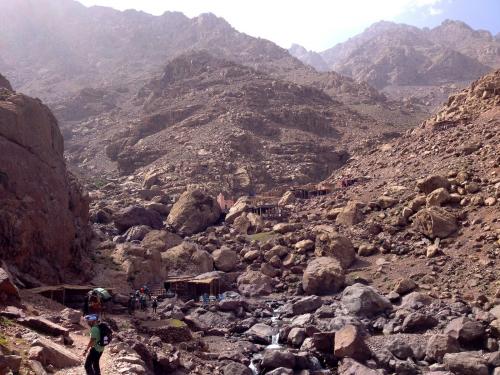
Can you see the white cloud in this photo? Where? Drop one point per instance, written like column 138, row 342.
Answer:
column 316, row 24
column 435, row 11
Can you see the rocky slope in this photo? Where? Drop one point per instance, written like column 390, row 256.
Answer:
column 222, row 126
column 405, row 61
column 44, row 213
column 395, row 272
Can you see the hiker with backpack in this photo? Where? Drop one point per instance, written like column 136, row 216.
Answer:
column 100, row 336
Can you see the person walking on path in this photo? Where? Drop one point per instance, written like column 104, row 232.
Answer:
column 154, row 305
column 93, row 348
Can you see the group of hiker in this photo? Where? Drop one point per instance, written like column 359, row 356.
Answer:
column 139, row 300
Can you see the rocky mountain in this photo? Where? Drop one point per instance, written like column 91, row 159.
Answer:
column 56, row 47
column 309, row 57
column 422, row 65
column 43, row 210
column 223, row 126
column 395, row 271
column 478, row 44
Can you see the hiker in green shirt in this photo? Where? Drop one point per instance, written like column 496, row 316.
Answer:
column 94, row 355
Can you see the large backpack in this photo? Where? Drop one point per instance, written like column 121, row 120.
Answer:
column 106, row 334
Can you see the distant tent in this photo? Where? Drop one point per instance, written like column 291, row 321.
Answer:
column 105, row 296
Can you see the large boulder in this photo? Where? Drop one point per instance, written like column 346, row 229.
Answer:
column 161, row 240
column 240, row 206
column 255, row 283
column 466, row 330
column 350, row 343
column 323, row 275
column 187, row 259
column 466, row 363
column 137, row 215
column 49, row 353
column 429, row 184
column 336, row 246
column 260, row 333
column 44, row 213
column 278, row 358
column 351, row 214
column 225, row 259
column 435, row 222
column 438, row 345
column 194, row 212
column 363, row 300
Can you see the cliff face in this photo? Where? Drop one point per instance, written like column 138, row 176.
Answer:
column 43, row 212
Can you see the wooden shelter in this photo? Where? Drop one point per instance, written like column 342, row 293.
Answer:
column 310, row 192
column 69, row 295
column 193, row 287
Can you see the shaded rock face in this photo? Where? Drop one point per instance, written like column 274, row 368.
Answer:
column 5, row 83
column 44, row 213
column 187, row 259
column 193, row 212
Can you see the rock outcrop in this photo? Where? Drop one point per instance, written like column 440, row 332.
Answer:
column 193, row 212
column 43, row 210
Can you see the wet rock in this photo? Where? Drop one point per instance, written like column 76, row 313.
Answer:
column 193, row 212
column 435, row 222
column 137, row 215
column 431, row 183
column 281, row 371
column 350, row 343
column 296, row 336
column 273, row 359
column 255, row 283
column 364, row 300
column 225, row 259
column 306, row 305
column 323, row 275
column 466, row 331
column 466, row 363
column 260, row 333
column 235, row 368
column 438, row 345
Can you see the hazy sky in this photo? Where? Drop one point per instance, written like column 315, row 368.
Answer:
column 319, row 24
